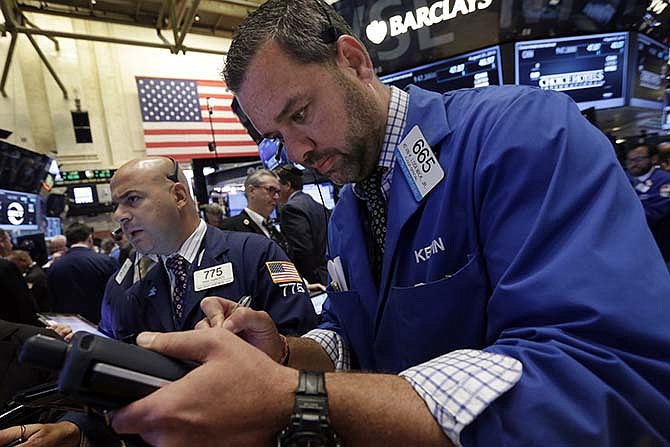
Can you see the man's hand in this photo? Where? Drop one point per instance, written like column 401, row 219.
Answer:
column 63, row 330
column 256, row 327
column 60, row 434
column 237, row 397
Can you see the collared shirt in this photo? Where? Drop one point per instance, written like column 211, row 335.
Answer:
column 188, row 250
column 136, row 265
column 258, row 220
column 395, row 126
column 645, row 177
column 456, row 386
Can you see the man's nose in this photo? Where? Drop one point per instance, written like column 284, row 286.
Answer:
column 297, row 147
column 121, row 215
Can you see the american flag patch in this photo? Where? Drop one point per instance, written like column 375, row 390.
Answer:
column 283, row 271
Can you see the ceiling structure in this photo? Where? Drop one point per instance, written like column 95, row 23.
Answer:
column 172, row 20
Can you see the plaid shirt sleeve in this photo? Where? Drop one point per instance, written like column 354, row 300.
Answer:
column 333, row 344
column 458, row 386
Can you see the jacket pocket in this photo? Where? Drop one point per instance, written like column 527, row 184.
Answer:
column 427, row 320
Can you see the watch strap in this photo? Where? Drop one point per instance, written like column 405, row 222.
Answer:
column 310, row 423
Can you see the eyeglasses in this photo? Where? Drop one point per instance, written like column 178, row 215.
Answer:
column 636, row 159
column 271, row 190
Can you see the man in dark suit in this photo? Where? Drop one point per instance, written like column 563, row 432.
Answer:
column 159, row 217
column 262, row 190
column 77, row 281
column 16, row 302
column 35, row 278
column 304, row 223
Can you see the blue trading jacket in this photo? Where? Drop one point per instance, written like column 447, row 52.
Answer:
column 654, row 193
column 146, row 305
column 529, row 247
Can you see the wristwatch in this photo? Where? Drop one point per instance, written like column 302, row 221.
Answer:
column 309, row 425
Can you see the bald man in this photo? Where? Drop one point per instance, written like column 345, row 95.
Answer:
column 158, row 216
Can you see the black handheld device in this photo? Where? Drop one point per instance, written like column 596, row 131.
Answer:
column 102, row 373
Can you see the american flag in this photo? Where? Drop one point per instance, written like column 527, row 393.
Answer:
column 176, row 121
column 283, row 271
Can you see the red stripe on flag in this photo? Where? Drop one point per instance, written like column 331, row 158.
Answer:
column 189, row 157
column 194, row 132
column 209, row 83
column 221, row 145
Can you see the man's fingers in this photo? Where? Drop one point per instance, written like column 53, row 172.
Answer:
column 9, row 434
column 216, row 309
column 189, row 345
column 202, row 324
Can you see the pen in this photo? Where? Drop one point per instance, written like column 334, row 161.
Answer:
column 335, row 286
column 15, row 442
column 245, row 301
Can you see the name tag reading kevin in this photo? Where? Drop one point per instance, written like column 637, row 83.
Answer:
column 418, row 163
column 213, row 276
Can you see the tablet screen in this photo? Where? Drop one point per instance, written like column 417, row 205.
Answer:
column 76, row 322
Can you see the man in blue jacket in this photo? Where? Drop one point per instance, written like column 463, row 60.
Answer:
column 517, row 302
column 159, row 217
column 652, row 185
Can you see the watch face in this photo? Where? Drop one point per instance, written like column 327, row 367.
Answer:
column 292, row 437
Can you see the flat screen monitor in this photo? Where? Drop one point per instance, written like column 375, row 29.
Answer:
column 476, row 69
column 82, row 195
column 21, row 169
column 35, row 245
column 651, row 68
column 19, row 210
column 590, row 69
column 236, row 202
column 326, row 189
column 53, row 228
column 267, row 150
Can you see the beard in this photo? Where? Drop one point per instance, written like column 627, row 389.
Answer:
column 363, row 136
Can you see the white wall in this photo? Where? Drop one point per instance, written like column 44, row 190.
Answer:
column 102, row 75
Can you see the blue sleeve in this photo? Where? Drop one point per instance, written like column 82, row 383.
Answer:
column 579, row 292
column 288, row 303
column 657, row 204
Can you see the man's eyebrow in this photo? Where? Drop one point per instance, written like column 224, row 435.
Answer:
column 286, row 110
column 288, row 107
column 127, row 193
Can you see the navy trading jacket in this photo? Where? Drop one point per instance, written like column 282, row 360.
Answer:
column 146, row 305
column 529, row 247
column 654, row 193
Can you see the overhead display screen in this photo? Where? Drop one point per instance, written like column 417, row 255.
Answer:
column 19, row 210
column 476, row 69
column 400, row 34
column 648, row 86
column 591, row 69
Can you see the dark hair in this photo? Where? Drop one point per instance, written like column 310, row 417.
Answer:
column 651, row 149
column 288, row 173
column 305, row 29
column 77, row 232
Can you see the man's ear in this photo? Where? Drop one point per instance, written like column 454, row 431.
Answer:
column 352, row 55
column 180, row 194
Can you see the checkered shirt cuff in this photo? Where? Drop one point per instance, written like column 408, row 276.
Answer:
column 333, row 344
column 458, row 386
